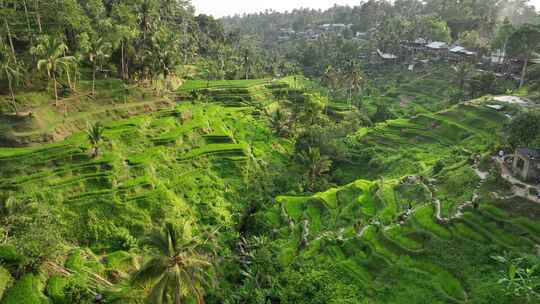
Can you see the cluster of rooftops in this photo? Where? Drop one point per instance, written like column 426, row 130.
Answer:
column 437, row 46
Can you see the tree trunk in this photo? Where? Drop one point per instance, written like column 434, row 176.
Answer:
column 69, row 79
column 55, row 90
column 94, row 80
column 26, row 16
column 123, row 64
column 38, row 16
column 350, row 98
column 524, row 72
column 13, row 101
column 95, row 151
column 10, row 41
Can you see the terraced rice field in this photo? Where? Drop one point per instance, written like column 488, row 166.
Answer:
column 366, row 230
column 412, row 146
column 141, row 158
column 181, row 162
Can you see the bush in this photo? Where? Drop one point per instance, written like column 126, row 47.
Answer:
column 26, row 291
column 438, row 167
column 76, row 293
column 123, row 240
column 9, row 255
column 75, row 261
column 5, row 280
column 55, row 289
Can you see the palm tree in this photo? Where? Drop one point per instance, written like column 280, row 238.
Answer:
column 523, row 42
column 280, row 122
column 330, row 79
column 52, row 52
column 246, row 61
column 98, row 53
column 178, row 272
column 95, row 136
column 315, row 164
column 9, row 70
column 354, row 79
column 462, row 72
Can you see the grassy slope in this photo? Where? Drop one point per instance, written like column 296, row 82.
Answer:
column 412, row 146
column 49, row 122
column 187, row 162
column 420, row 261
column 158, row 166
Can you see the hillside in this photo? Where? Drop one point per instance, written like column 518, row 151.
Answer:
column 188, row 162
column 381, row 153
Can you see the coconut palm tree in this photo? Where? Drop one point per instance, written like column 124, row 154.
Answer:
column 99, row 52
column 315, row 164
column 330, row 79
column 246, row 60
column 10, row 71
column 179, row 270
column 280, row 121
column 95, row 136
column 354, row 79
column 52, row 54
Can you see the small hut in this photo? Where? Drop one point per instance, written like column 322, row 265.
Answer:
column 527, row 164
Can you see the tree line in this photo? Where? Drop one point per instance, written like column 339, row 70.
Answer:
column 53, row 44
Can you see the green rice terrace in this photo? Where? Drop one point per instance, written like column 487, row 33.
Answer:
column 406, row 232
column 386, row 152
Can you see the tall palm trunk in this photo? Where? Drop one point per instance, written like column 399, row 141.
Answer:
column 13, row 101
column 350, row 97
column 26, row 15
column 10, row 40
column 524, row 71
column 55, row 89
column 69, row 79
column 123, row 62
column 38, row 17
column 93, row 79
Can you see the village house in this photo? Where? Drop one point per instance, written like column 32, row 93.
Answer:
column 527, row 164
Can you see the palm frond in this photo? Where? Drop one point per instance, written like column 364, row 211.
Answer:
column 151, row 271
column 160, row 240
column 536, row 59
column 158, row 294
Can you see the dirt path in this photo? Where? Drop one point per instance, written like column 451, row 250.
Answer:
column 459, row 212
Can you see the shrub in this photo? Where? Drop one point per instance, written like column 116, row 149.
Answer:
column 5, row 280
column 123, row 240
column 26, row 291
column 75, row 261
column 55, row 288
column 9, row 255
column 438, row 167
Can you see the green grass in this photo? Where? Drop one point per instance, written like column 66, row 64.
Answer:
column 412, row 146
column 201, row 84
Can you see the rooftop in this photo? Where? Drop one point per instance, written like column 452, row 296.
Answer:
column 531, row 153
column 386, row 55
column 437, row 45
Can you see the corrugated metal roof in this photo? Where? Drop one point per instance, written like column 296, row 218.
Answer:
column 437, row 45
